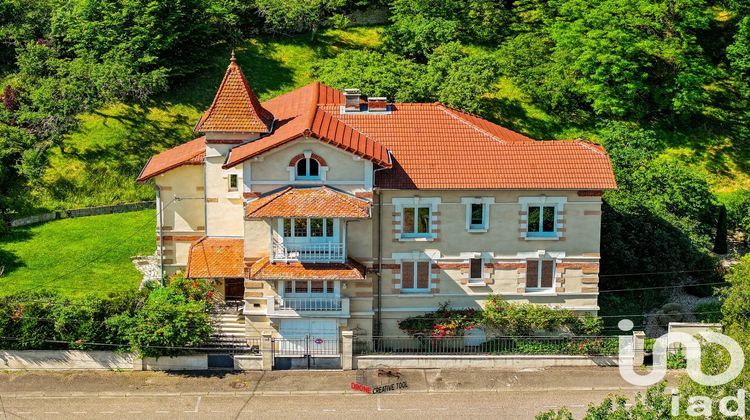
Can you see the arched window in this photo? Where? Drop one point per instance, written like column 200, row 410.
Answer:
column 308, row 168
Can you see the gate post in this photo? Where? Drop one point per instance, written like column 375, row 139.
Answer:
column 266, row 350
column 347, row 347
column 639, row 338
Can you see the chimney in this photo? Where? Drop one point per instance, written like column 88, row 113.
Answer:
column 377, row 104
column 352, row 100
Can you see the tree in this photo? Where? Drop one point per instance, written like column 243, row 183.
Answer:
column 291, row 16
column 458, row 79
column 421, row 26
column 738, row 54
column 374, row 73
column 624, row 58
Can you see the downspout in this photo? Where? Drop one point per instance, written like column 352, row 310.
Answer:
column 159, row 216
column 378, row 287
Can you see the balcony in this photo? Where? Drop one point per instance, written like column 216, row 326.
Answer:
column 324, row 252
column 285, row 307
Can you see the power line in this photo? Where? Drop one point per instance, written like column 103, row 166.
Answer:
column 652, row 273
column 663, row 287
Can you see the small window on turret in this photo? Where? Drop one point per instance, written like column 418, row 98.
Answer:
column 233, row 182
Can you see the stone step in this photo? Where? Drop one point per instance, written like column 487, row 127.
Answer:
column 230, row 330
column 228, row 321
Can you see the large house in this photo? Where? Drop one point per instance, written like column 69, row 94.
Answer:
column 321, row 210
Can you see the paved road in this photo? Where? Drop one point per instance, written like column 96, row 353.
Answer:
column 509, row 405
column 431, row 394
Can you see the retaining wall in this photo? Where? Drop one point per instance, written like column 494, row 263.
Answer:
column 64, row 360
column 189, row 362
column 88, row 211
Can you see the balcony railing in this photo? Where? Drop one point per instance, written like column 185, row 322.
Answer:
column 296, row 307
column 324, row 252
column 306, row 304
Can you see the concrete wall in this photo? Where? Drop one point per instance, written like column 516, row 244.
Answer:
column 188, row 362
column 64, row 360
column 248, row 362
column 479, row 361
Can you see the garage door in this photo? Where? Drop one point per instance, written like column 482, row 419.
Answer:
column 309, row 337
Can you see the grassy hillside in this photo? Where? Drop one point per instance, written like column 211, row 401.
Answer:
column 98, row 163
column 76, row 257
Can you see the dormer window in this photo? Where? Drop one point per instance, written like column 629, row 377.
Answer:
column 308, row 168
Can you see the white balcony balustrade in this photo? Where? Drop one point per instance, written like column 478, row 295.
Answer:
column 324, row 252
column 307, row 304
column 298, row 307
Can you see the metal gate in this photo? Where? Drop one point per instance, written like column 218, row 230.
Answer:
column 313, row 351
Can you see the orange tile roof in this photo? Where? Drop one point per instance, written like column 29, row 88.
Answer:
column 421, row 145
column 297, row 114
column 308, row 202
column 190, row 153
column 436, row 147
column 235, row 107
column 263, row 269
column 433, row 146
column 216, row 257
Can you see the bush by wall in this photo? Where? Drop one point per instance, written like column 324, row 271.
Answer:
column 154, row 322
column 503, row 318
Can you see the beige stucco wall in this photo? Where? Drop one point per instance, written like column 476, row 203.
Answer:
column 501, row 245
column 345, row 170
column 223, row 207
column 582, row 232
column 185, row 214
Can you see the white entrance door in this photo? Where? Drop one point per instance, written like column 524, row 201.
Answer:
column 309, row 336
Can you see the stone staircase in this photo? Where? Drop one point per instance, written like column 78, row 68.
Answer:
column 229, row 328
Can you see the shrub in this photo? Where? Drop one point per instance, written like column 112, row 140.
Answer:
column 709, row 312
column 168, row 322
column 175, row 315
column 738, row 209
column 503, row 317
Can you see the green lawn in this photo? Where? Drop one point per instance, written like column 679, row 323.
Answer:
column 77, row 257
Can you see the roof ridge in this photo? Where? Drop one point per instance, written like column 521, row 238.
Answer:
column 448, row 110
column 313, row 106
column 592, row 146
column 356, row 130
